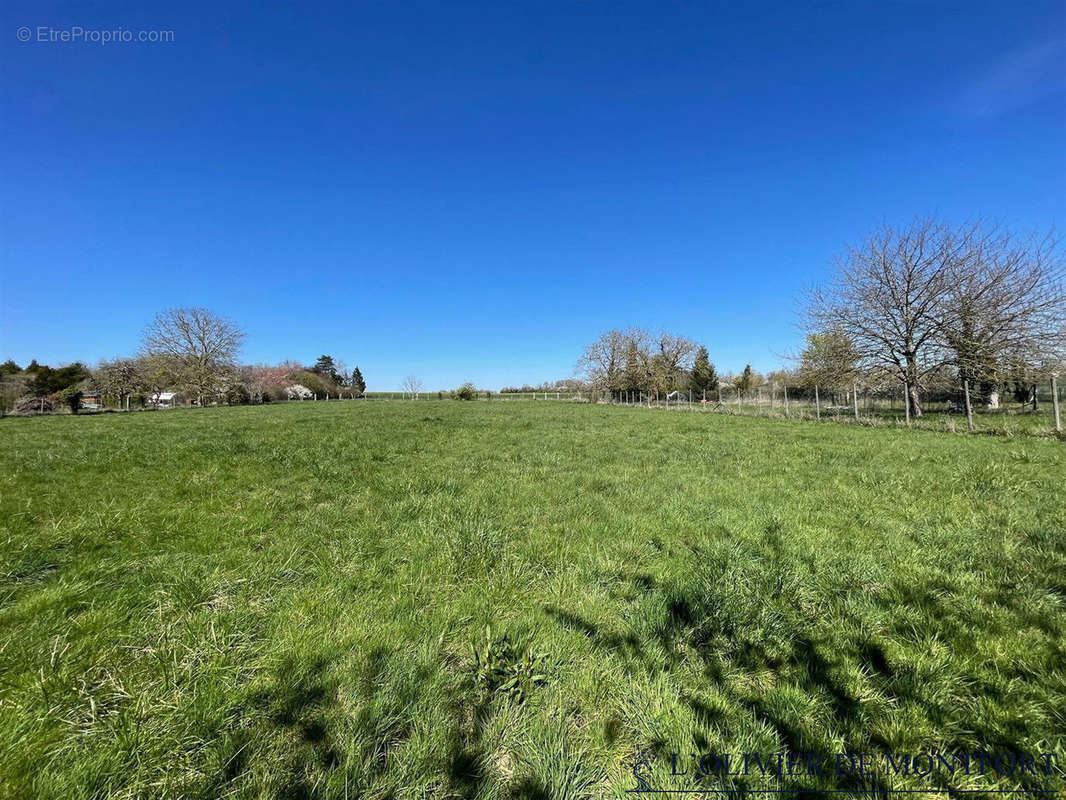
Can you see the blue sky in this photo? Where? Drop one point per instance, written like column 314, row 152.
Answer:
column 475, row 190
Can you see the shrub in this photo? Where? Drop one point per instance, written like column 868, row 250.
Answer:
column 33, row 405
column 465, row 392
column 71, row 398
column 237, row 394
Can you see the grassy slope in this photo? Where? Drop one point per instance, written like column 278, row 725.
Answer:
column 286, row 601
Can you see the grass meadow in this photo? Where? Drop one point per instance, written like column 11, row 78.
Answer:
column 496, row 600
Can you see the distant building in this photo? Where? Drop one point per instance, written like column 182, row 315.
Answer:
column 165, row 399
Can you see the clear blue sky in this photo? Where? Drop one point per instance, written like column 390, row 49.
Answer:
column 476, row 190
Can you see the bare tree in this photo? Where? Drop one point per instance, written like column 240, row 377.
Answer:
column 122, row 378
column 1005, row 306
column 829, row 360
column 157, row 374
column 671, row 358
column 200, row 346
column 412, row 386
column 888, row 298
column 603, row 361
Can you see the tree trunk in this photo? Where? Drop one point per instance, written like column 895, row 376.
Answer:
column 914, row 402
column 1055, row 401
column 969, row 408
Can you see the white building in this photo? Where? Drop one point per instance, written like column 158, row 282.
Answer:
column 165, row 399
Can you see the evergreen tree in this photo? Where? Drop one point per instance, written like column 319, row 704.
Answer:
column 635, row 373
column 746, row 382
column 9, row 367
column 703, row 377
column 358, row 384
column 326, row 368
column 47, row 380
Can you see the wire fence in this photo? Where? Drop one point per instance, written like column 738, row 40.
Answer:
column 1038, row 413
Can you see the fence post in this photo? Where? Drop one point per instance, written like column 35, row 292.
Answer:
column 1055, row 402
column 907, row 402
column 788, row 413
column 969, row 410
column 855, row 398
column 817, row 404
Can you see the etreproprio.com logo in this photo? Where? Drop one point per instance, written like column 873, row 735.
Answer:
column 77, row 34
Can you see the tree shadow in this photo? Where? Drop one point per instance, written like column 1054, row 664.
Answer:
column 627, row 643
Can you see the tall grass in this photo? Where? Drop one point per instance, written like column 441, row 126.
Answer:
column 445, row 599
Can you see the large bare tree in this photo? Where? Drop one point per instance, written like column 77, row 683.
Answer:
column 200, row 346
column 888, row 297
column 603, row 361
column 1005, row 306
column 671, row 358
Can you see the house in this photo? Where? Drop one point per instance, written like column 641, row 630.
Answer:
column 165, row 399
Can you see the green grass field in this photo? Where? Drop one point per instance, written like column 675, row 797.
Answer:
column 447, row 599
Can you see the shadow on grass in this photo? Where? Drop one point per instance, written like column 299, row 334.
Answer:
column 296, row 703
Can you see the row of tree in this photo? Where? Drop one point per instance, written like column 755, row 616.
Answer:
column 634, row 361
column 911, row 311
column 189, row 351
column 931, row 302
column 564, row 385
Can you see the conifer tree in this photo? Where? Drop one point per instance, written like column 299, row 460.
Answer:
column 703, row 377
column 358, row 384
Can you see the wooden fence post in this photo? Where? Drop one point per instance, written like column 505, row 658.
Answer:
column 855, row 398
column 907, row 401
column 817, row 404
column 788, row 413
